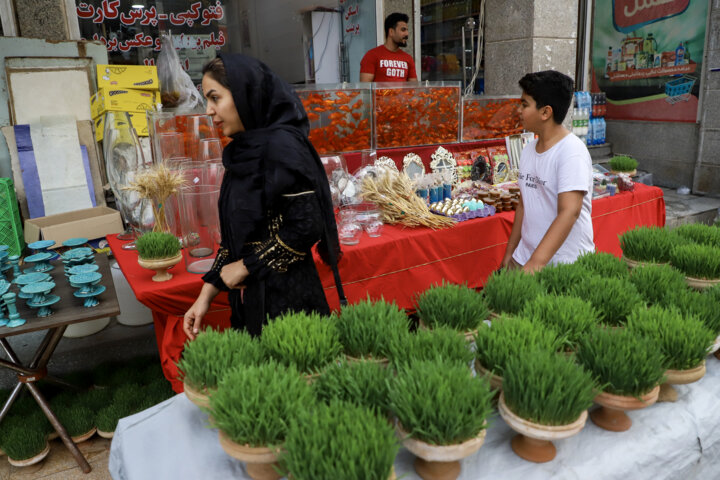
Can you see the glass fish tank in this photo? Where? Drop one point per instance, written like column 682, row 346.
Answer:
column 490, row 117
column 410, row 114
column 340, row 116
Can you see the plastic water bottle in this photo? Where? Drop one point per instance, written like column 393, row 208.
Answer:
column 603, row 131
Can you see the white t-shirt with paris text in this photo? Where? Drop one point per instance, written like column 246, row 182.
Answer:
column 565, row 167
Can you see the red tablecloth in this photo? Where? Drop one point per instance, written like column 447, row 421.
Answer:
column 397, row 265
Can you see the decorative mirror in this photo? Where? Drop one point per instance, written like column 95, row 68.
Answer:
column 388, row 163
column 413, row 166
column 444, row 163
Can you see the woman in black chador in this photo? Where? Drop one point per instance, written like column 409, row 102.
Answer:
column 274, row 200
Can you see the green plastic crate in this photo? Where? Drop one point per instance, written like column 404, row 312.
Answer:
column 11, row 233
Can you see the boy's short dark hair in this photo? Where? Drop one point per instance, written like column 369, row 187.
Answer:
column 392, row 20
column 549, row 88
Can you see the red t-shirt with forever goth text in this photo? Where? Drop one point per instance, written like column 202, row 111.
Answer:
column 388, row 66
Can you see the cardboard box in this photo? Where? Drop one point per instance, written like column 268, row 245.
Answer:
column 122, row 100
column 90, row 223
column 141, row 77
column 138, row 120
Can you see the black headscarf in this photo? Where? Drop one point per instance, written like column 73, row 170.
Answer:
column 271, row 154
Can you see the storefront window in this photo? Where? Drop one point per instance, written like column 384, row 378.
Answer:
column 441, row 39
column 131, row 29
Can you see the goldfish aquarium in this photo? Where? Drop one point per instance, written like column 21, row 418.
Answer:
column 490, row 117
column 340, row 116
column 410, row 114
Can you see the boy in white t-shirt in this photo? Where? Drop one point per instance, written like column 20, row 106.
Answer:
column 552, row 221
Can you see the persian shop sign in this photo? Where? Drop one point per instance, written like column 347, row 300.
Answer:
column 629, row 15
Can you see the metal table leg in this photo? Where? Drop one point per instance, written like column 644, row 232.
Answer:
column 37, row 370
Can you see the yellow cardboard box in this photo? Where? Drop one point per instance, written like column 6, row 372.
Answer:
column 123, row 100
column 140, row 77
column 138, row 120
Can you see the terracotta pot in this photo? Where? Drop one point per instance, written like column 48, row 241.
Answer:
column 379, row 360
column 311, row 377
column 105, row 434
column 611, row 415
column 495, row 381
column 439, row 462
column 679, row 377
column 160, row 265
column 469, row 335
column 259, row 461
column 534, row 440
column 199, row 398
column 32, row 460
column 701, row 283
column 639, row 263
column 84, row 436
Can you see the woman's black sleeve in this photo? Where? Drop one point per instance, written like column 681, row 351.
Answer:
column 213, row 275
column 300, row 226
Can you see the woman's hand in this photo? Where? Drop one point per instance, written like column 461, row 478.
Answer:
column 234, row 274
column 193, row 317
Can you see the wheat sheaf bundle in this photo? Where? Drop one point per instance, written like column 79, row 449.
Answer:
column 395, row 196
column 156, row 184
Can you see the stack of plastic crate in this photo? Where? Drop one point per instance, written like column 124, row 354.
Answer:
column 11, row 233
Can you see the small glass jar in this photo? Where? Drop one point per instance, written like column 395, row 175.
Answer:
column 374, row 228
column 349, row 229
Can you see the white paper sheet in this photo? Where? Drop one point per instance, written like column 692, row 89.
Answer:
column 60, row 164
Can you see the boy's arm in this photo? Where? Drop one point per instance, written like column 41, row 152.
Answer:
column 569, row 208
column 515, row 234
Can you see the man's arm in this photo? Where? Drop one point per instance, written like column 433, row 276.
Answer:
column 569, row 208
column 367, row 77
column 515, row 234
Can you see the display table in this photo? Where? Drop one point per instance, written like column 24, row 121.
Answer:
column 69, row 310
column 398, row 265
column 667, row 441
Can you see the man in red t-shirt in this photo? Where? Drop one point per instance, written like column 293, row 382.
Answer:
column 387, row 63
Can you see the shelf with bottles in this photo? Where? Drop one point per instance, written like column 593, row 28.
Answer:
column 588, row 123
column 442, row 66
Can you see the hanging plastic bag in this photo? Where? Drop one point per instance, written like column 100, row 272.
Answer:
column 177, row 89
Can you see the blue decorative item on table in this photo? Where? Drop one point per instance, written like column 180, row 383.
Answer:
column 41, row 261
column 78, row 269
column 4, row 262
column 27, row 279
column 4, row 287
column 422, row 193
column 88, row 288
column 75, row 242
column 447, row 191
column 41, row 299
column 14, row 319
column 14, row 261
column 41, row 245
column 77, row 256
